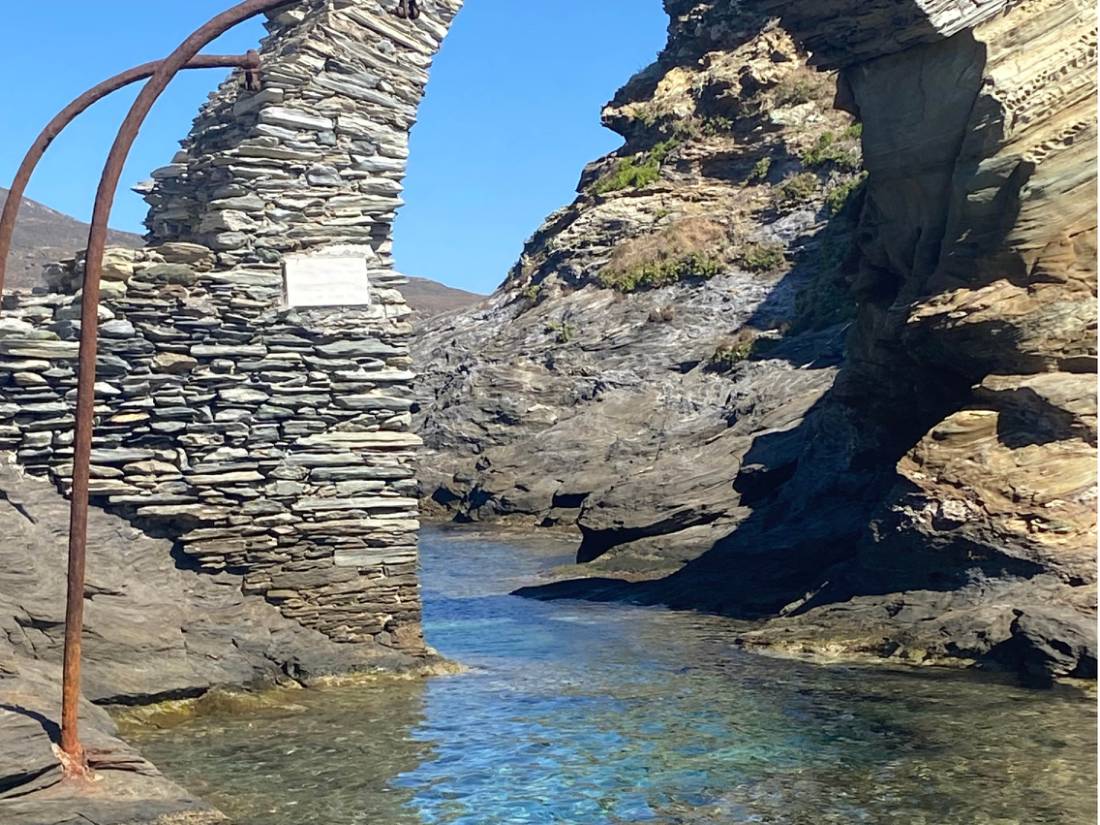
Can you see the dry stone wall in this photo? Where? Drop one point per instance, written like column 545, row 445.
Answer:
column 271, row 443
column 315, row 156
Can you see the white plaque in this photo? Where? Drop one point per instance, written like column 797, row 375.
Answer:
column 326, row 281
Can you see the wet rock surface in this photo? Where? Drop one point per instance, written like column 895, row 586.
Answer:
column 154, row 631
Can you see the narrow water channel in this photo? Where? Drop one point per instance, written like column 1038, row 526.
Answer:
column 589, row 714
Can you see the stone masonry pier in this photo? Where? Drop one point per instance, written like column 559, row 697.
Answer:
column 267, row 441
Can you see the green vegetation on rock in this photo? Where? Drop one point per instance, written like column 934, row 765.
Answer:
column 563, row 332
column 839, row 196
column 704, row 126
column 828, row 300
column 797, row 189
column 733, row 350
column 689, row 248
column 803, row 85
column 762, row 257
column 531, row 293
column 760, row 170
column 636, row 171
column 660, row 273
column 829, row 149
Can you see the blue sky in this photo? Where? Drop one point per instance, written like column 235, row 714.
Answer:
column 511, row 115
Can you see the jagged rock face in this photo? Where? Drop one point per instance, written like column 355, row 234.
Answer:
column 932, row 500
column 575, row 397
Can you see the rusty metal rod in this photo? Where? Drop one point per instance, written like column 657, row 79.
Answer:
column 55, row 127
column 89, row 334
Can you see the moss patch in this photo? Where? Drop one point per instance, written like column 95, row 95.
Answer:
column 636, row 171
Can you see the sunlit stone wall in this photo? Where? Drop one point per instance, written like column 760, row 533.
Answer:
column 271, row 442
column 317, row 156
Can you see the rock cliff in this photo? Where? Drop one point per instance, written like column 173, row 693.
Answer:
column 654, row 327
column 829, row 365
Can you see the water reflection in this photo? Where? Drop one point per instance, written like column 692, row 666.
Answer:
column 580, row 713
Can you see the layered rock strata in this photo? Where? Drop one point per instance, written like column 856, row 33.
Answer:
column 931, row 500
column 977, row 288
column 608, row 385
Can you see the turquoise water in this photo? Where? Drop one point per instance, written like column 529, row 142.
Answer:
column 590, row 714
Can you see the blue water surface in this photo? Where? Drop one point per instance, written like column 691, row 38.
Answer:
column 571, row 712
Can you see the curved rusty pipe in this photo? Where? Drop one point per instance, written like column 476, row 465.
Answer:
column 73, row 752
column 55, row 127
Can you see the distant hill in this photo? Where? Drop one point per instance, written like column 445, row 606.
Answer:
column 44, row 235
column 433, row 298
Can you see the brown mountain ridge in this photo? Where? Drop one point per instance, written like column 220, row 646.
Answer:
column 44, row 235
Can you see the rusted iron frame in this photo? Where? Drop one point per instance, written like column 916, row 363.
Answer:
column 249, row 62
column 73, row 756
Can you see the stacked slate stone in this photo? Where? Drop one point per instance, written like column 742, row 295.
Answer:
column 273, row 443
column 317, row 155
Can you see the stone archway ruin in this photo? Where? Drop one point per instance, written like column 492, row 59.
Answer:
column 271, row 442
column 275, row 444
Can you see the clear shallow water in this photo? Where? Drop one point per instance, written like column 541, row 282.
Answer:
column 590, row 714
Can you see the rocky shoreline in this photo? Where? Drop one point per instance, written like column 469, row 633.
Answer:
column 154, row 632
column 813, row 349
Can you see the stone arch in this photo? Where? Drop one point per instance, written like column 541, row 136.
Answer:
column 270, row 443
